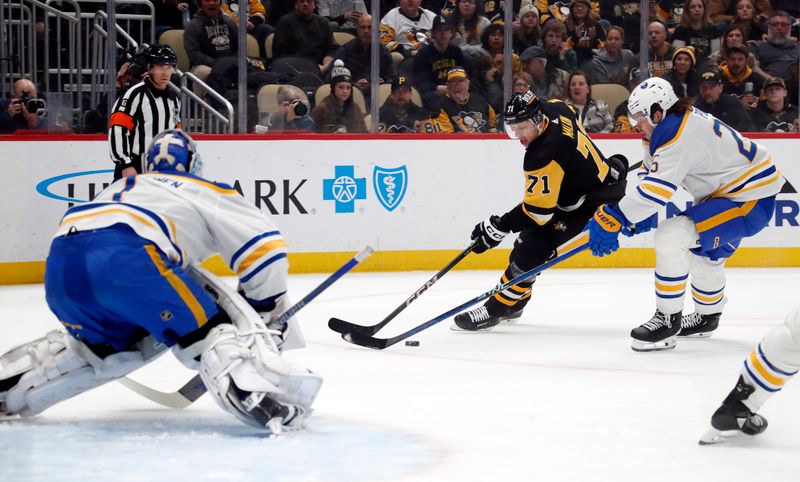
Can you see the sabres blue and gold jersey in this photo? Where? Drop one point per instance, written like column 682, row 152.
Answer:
column 704, row 156
column 190, row 219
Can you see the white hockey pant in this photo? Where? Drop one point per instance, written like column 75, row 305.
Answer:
column 774, row 361
column 56, row 367
column 674, row 238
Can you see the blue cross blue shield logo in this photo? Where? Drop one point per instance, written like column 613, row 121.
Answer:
column 345, row 188
column 390, row 185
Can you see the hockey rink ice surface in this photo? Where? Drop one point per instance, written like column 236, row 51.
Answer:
column 559, row 396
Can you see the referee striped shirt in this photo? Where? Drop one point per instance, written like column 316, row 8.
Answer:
column 139, row 115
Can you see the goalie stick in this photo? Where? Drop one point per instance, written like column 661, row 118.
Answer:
column 341, row 326
column 566, row 250
column 194, row 388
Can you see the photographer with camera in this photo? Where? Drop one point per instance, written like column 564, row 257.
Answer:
column 145, row 109
column 23, row 111
column 293, row 113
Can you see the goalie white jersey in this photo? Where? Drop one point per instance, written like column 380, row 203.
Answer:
column 399, row 32
column 198, row 219
column 707, row 158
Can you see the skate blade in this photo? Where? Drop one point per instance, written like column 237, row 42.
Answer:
column 714, row 436
column 458, row 329
column 5, row 417
column 696, row 335
column 665, row 344
column 510, row 321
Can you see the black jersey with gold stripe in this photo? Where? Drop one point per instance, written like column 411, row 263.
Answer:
column 475, row 115
column 562, row 166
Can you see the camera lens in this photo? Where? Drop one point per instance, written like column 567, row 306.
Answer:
column 300, row 108
column 34, row 105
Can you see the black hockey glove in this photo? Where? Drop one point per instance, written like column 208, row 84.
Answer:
column 488, row 233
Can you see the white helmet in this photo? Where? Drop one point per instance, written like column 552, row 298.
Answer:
column 654, row 90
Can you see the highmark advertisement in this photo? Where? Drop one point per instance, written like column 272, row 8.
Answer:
column 337, row 195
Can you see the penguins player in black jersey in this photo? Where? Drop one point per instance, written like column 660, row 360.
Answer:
column 566, row 179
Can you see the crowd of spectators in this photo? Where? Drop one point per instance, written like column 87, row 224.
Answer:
column 736, row 58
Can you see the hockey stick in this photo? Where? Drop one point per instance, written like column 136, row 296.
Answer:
column 566, row 250
column 184, row 397
column 341, row 326
column 194, row 388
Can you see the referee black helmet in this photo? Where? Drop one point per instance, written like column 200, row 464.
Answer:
column 160, row 54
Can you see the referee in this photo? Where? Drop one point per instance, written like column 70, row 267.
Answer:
column 143, row 111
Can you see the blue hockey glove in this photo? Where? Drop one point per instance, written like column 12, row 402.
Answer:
column 489, row 234
column 604, row 230
column 642, row 226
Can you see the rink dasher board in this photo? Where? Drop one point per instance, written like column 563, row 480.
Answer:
column 414, row 198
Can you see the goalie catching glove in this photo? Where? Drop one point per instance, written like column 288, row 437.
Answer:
column 489, row 233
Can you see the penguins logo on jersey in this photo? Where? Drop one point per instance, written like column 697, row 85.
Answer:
column 469, row 121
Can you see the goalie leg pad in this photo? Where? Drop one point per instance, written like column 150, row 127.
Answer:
column 247, row 377
column 56, row 367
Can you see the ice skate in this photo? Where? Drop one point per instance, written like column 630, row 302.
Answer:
column 696, row 325
column 658, row 333
column 733, row 419
column 480, row 319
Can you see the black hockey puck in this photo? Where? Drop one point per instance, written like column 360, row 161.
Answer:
column 412, row 343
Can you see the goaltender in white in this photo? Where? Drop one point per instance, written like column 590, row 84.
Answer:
column 122, row 276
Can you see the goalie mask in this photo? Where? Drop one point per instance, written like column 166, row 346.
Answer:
column 173, row 151
column 522, row 107
column 653, row 91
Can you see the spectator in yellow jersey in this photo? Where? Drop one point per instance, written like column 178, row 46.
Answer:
column 460, row 110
